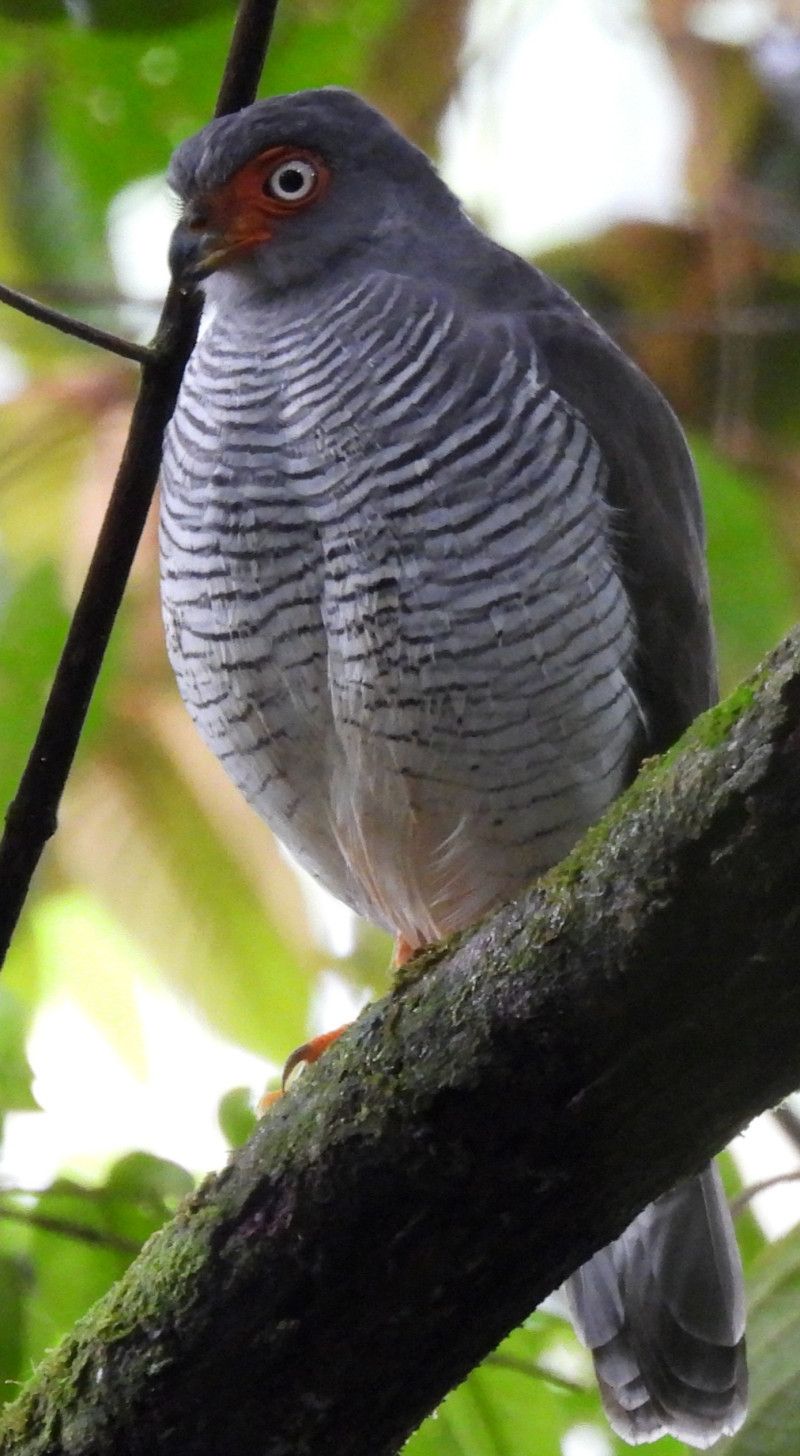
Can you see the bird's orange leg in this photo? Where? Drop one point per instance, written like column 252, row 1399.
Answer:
column 403, row 951
column 302, row 1056
column 311, row 1051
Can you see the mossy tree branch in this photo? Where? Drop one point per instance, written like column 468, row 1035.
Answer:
column 523, row 1092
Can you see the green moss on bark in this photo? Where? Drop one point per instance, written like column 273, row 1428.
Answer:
column 288, row 1309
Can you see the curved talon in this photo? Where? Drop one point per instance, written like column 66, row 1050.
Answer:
column 310, row 1052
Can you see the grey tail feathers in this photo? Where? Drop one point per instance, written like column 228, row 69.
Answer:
column 662, row 1311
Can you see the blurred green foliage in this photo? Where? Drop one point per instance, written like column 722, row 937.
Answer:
column 236, row 1116
column 61, row 1248
column 16, row 1094
column 98, row 107
column 774, row 1340
column 753, row 596
column 33, row 624
column 158, row 864
column 100, row 15
column 517, row 1401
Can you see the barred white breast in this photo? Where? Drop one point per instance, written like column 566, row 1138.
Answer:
column 391, row 596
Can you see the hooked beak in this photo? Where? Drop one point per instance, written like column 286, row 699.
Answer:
column 200, row 244
column 190, row 254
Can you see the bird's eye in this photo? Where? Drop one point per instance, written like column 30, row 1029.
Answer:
column 293, row 180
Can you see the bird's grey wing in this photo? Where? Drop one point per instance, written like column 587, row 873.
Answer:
column 661, row 1308
column 652, row 488
column 662, row 1311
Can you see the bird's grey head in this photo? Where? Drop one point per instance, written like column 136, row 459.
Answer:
column 273, row 194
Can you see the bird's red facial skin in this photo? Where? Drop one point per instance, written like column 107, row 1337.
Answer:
column 244, row 213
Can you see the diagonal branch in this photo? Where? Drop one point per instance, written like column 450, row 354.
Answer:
column 76, row 328
column 31, row 818
column 68, row 1229
column 789, row 1123
column 523, row 1092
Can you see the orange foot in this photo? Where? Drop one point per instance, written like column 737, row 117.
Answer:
column 311, row 1051
column 303, row 1056
column 403, row 951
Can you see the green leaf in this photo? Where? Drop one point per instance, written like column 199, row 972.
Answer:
column 753, row 600
column 144, row 1178
column 116, row 101
column 119, row 103
column 15, row 1072
column 43, row 201
column 236, row 1116
column 33, row 628
column 113, row 14
column 773, row 364
column 80, row 946
column 69, row 1271
column 508, row 1405
column 33, row 624
column 749, row 1234
column 772, row 1427
column 179, row 890
column 15, row 1275
column 70, row 1274
column 333, row 46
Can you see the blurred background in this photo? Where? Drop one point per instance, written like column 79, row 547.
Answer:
column 647, row 153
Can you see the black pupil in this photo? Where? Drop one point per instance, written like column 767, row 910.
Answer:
column 291, row 179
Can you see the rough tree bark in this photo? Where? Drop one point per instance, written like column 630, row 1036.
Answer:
column 521, row 1094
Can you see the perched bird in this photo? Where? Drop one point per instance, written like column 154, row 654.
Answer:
column 433, row 585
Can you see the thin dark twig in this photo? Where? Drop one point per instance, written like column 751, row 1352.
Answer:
column 31, row 819
column 536, row 1371
column 112, row 343
column 789, row 1123
column 740, row 1202
column 247, row 53
column 142, row 1200
column 755, row 320
column 69, row 1230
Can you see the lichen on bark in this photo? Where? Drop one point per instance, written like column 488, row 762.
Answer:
column 518, row 1097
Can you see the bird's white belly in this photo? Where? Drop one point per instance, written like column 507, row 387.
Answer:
column 418, row 679
column 419, row 793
